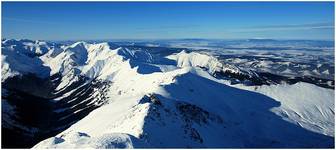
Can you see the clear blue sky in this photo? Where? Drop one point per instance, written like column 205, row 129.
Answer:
column 167, row 20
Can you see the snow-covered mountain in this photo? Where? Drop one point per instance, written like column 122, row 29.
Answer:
column 89, row 95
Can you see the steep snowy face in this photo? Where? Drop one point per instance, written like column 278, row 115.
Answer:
column 65, row 59
column 22, row 56
column 214, row 66
column 194, row 59
column 70, row 80
column 209, row 62
column 103, row 62
column 93, row 60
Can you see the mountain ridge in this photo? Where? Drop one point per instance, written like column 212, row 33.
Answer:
column 105, row 96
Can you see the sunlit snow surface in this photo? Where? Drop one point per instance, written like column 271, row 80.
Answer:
column 169, row 98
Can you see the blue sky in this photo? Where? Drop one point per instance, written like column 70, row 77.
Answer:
column 167, row 20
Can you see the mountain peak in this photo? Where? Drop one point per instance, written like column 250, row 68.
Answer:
column 103, row 95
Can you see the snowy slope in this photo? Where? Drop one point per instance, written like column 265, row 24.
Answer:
column 213, row 65
column 192, row 107
column 14, row 63
column 304, row 104
column 105, row 141
column 90, row 59
column 171, row 102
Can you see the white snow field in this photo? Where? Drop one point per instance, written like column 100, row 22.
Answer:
column 175, row 102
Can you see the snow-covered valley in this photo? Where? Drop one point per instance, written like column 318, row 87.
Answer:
column 105, row 95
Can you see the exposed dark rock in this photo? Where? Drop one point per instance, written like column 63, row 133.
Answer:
column 196, row 114
column 38, row 115
column 155, row 100
column 265, row 78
